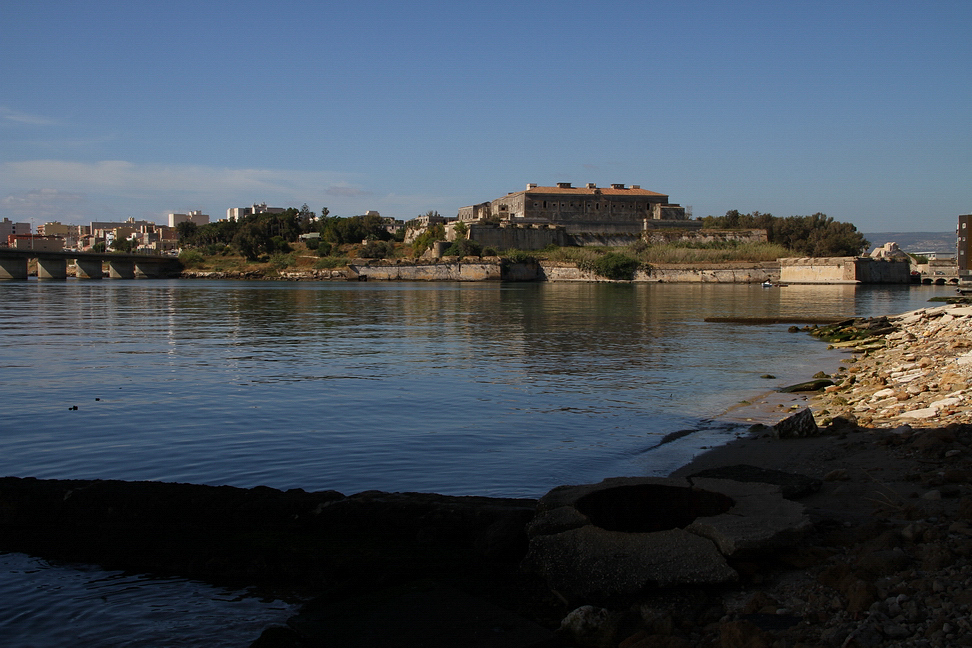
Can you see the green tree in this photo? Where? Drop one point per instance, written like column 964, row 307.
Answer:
column 355, row 229
column 248, row 242
column 187, row 231
column 124, row 245
column 306, row 218
column 817, row 235
column 377, row 250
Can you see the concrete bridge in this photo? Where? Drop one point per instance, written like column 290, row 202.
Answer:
column 88, row 265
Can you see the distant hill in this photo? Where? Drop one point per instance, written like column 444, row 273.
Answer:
column 915, row 242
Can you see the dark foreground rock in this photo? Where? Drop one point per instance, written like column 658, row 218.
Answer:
column 257, row 536
column 887, row 562
column 372, row 560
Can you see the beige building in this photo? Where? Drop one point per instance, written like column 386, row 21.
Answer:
column 35, row 242
column 196, row 217
column 70, row 233
column 618, row 208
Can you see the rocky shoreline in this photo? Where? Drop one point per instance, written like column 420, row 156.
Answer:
column 890, row 560
column 886, row 559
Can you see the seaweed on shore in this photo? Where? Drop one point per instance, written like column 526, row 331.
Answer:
column 853, row 329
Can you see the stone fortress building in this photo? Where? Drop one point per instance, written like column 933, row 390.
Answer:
column 617, row 209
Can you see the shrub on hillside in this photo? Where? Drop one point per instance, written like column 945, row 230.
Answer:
column 614, row 265
column 519, row 256
column 464, row 248
column 191, row 258
column 328, row 263
column 377, row 250
column 279, row 260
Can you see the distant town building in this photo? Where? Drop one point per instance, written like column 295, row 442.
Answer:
column 149, row 236
column 70, row 233
column 9, row 228
column 196, row 217
column 98, row 228
column 426, row 220
column 156, row 239
column 35, row 242
column 618, row 208
column 392, row 225
column 236, row 213
column 963, row 244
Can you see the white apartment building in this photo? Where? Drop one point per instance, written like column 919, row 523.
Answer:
column 235, row 213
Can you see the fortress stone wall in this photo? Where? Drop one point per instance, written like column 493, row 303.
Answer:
column 843, row 270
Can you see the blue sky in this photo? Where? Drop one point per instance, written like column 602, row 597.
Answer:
column 860, row 110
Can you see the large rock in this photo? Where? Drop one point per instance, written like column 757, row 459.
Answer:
column 800, row 425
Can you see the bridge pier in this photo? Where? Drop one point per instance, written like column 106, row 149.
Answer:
column 148, row 270
column 88, row 268
column 13, row 268
column 51, row 269
column 119, row 269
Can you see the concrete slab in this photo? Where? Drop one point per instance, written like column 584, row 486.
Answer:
column 760, row 518
column 623, row 535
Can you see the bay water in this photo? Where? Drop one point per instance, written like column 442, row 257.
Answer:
column 494, row 389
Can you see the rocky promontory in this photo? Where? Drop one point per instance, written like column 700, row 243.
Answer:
column 918, row 372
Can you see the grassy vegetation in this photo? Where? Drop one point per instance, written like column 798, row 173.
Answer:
column 721, row 252
column 331, row 262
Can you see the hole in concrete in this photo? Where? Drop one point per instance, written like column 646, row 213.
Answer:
column 646, row 508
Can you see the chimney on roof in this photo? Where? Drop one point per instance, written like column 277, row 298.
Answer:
column 591, row 185
column 531, row 185
column 617, row 186
column 563, row 185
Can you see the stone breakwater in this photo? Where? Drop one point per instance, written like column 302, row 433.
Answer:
column 919, row 375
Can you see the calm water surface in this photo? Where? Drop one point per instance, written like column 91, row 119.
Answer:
column 484, row 388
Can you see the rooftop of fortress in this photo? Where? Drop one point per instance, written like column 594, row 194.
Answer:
column 590, row 190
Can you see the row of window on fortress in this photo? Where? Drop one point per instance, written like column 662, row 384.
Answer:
column 536, row 205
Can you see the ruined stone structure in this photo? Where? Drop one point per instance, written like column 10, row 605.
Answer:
column 890, row 251
column 617, row 209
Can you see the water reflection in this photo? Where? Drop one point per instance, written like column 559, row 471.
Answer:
column 354, row 386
